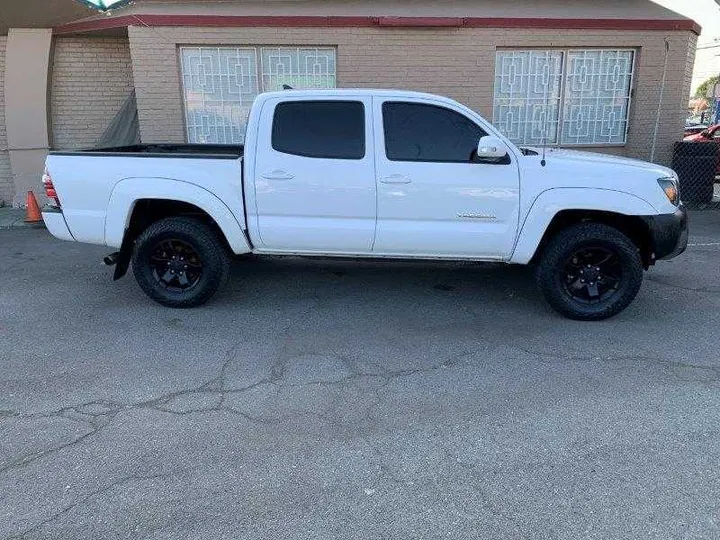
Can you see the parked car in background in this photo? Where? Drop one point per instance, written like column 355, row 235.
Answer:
column 710, row 135
column 694, row 129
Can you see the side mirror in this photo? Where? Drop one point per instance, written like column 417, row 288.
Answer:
column 491, row 148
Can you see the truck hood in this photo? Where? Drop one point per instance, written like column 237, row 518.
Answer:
column 573, row 156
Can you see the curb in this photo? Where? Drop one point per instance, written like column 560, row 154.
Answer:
column 20, row 224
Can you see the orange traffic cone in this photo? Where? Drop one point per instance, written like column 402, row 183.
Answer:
column 32, row 215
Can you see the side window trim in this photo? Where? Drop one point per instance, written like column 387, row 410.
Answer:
column 364, row 133
column 435, row 105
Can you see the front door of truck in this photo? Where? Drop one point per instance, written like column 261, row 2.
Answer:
column 434, row 197
column 314, row 175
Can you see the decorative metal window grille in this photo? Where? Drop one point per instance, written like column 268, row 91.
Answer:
column 299, row 68
column 597, row 97
column 527, row 95
column 576, row 97
column 220, row 84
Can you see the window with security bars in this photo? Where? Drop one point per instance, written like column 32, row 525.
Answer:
column 221, row 83
column 567, row 97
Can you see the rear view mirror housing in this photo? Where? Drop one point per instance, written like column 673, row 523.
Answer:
column 491, row 148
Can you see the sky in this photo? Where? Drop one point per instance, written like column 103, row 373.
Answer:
column 707, row 13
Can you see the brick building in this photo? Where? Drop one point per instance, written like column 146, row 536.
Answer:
column 577, row 73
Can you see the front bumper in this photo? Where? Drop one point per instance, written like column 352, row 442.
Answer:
column 55, row 223
column 668, row 233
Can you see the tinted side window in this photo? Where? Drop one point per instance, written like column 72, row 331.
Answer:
column 320, row 129
column 418, row 132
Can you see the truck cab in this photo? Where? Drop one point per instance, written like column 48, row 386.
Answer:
column 374, row 173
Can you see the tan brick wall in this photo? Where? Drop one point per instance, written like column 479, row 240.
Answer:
column 6, row 184
column 675, row 98
column 457, row 62
column 91, row 79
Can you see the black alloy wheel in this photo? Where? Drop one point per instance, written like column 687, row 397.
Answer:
column 589, row 271
column 593, row 274
column 175, row 265
column 181, row 262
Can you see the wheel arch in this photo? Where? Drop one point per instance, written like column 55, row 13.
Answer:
column 631, row 226
column 557, row 209
column 136, row 203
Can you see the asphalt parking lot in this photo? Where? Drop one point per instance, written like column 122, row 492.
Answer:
column 332, row 399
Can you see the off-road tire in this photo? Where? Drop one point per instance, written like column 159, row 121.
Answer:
column 550, row 270
column 203, row 239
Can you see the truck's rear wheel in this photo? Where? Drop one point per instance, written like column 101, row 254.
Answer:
column 590, row 271
column 180, row 262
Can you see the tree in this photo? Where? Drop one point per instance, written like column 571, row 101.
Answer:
column 706, row 87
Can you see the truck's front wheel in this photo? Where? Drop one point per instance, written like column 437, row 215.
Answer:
column 590, row 271
column 180, row 262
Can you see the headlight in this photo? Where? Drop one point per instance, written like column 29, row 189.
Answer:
column 670, row 187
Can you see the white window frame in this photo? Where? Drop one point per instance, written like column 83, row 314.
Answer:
column 260, row 72
column 563, row 83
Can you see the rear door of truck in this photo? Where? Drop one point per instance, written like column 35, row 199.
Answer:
column 314, row 175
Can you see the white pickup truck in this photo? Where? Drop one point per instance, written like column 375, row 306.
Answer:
column 370, row 173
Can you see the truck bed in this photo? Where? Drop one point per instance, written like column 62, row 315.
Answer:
column 98, row 186
column 213, row 151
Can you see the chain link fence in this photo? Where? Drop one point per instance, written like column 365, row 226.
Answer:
column 697, row 163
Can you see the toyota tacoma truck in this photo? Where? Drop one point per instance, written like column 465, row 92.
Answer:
column 370, row 173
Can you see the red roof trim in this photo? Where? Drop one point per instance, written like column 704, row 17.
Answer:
column 587, row 24
column 418, row 22
column 93, row 25
column 430, row 22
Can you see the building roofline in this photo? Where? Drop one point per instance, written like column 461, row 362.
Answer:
column 240, row 21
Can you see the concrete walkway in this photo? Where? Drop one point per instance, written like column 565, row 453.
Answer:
column 14, row 218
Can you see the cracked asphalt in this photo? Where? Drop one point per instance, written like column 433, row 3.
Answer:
column 345, row 400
